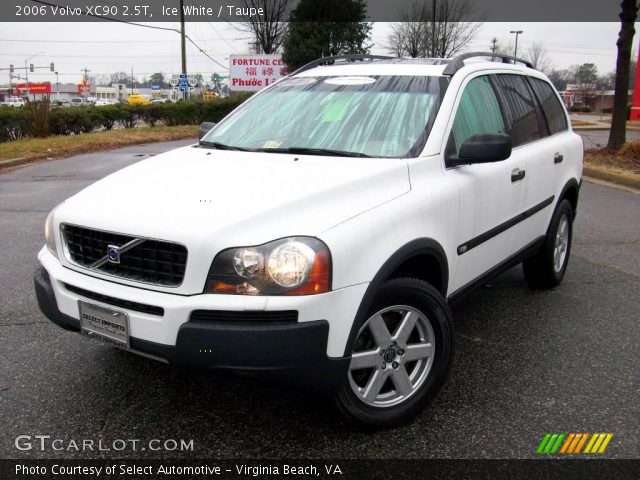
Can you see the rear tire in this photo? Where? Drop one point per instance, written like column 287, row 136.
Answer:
column 546, row 269
column 400, row 357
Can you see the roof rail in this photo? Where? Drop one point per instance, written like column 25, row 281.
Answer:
column 341, row 59
column 458, row 62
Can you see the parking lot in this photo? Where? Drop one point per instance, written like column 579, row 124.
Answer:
column 527, row 363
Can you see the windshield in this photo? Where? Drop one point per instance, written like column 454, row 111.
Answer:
column 375, row 116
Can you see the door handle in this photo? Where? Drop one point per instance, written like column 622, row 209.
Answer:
column 558, row 158
column 517, row 175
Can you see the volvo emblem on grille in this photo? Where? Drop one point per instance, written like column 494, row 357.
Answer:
column 113, row 253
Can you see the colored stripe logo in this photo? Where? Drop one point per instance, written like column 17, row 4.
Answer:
column 573, row 443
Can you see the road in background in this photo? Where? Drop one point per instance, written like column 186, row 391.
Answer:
column 526, row 362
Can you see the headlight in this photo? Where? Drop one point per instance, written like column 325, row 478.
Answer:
column 49, row 236
column 290, row 266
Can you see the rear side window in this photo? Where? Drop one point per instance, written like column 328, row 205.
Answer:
column 478, row 113
column 553, row 111
column 521, row 110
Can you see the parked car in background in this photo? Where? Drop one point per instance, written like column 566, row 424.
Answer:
column 91, row 100
column 138, row 100
column 160, row 100
column 76, row 102
column 101, row 102
column 14, row 102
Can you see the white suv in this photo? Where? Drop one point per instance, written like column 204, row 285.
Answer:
column 319, row 231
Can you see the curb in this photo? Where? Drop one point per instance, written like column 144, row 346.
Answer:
column 14, row 162
column 612, row 177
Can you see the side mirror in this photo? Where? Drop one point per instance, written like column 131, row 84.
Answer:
column 484, row 148
column 204, row 129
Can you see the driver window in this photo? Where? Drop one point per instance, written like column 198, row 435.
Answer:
column 478, row 113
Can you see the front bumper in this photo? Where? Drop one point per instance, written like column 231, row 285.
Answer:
column 291, row 352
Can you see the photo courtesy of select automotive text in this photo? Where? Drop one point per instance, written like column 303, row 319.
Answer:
column 339, row 239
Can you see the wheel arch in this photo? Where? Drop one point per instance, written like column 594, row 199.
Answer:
column 408, row 260
column 570, row 192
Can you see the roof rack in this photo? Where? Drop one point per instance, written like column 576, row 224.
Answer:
column 339, row 59
column 458, row 62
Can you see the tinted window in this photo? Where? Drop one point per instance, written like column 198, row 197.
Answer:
column 478, row 113
column 521, row 109
column 553, row 111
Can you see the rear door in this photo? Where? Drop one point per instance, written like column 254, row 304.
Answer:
column 532, row 157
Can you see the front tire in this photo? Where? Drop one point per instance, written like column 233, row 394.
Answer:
column 546, row 269
column 400, row 357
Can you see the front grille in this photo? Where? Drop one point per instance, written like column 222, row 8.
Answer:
column 118, row 302
column 284, row 316
column 151, row 261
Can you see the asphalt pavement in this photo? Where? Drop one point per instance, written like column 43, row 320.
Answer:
column 526, row 363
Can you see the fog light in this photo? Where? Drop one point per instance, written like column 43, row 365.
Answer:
column 248, row 262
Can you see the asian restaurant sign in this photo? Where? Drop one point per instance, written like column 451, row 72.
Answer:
column 250, row 73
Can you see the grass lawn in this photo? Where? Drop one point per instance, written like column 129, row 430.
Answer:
column 580, row 123
column 622, row 166
column 63, row 146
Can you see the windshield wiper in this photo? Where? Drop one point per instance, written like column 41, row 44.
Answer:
column 221, row 146
column 314, row 151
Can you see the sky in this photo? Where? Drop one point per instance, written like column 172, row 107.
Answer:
column 107, row 47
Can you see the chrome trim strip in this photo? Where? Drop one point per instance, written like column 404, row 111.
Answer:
column 127, row 246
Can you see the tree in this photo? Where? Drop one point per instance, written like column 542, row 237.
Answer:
column 586, row 82
column 323, row 29
column 537, row 55
column 158, row 79
column 269, row 29
column 102, row 80
column 450, row 29
column 120, row 77
column 628, row 15
column 559, row 78
column 409, row 36
column 437, row 29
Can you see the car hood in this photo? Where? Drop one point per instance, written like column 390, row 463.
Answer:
column 210, row 200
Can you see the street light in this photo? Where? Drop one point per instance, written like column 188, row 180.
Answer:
column 26, row 70
column 517, row 32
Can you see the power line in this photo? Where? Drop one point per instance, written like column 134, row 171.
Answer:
column 111, row 19
column 222, row 38
column 116, row 41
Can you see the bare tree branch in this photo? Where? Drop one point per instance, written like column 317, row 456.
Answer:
column 268, row 30
column 537, row 55
column 436, row 29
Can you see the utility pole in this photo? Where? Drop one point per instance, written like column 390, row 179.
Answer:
column 434, row 5
column 57, row 88
column 517, row 32
column 494, row 45
column 131, row 80
column 183, row 46
column 85, row 77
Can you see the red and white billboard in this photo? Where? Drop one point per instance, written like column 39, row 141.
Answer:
column 250, row 73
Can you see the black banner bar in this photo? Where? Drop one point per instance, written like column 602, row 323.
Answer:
column 141, row 11
column 548, row 469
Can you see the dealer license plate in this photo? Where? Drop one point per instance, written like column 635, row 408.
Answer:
column 105, row 324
